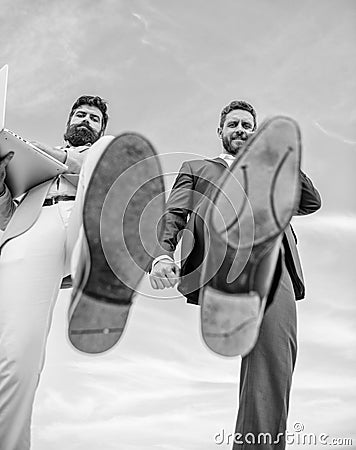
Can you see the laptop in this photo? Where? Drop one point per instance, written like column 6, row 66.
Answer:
column 30, row 165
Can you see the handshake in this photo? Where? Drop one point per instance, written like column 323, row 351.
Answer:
column 164, row 274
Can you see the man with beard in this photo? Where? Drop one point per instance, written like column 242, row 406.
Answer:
column 35, row 253
column 266, row 270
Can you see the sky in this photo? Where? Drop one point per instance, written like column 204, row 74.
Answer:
column 167, row 68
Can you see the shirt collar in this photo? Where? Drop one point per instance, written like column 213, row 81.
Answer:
column 228, row 158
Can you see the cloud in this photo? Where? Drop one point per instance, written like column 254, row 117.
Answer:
column 325, row 222
column 142, row 20
column 335, row 135
column 51, row 47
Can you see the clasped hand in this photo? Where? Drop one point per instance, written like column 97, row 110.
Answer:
column 164, row 274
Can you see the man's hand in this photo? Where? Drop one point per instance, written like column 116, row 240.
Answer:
column 52, row 151
column 3, row 163
column 57, row 153
column 164, row 274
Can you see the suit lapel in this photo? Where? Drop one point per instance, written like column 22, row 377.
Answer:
column 219, row 160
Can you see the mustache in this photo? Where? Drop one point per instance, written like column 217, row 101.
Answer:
column 83, row 125
column 240, row 135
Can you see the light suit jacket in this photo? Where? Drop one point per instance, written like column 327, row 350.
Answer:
column 18, row 217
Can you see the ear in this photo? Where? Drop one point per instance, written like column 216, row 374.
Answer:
column 102, row 131
column 219, row 132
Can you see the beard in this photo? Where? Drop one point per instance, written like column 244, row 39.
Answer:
column 80, row 134
column 232, row 149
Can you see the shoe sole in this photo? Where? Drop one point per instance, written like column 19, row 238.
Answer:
column 246, row 222
column 122, row 205
column 223, row 333
column 265, row 161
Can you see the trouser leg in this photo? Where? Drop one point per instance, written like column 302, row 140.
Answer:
column 266, row 372
column 76, row 218
column 31, row 269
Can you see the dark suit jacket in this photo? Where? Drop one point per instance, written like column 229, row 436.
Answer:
column 197, row 180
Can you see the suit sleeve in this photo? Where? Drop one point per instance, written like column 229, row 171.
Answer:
column 7, row 208
column 178, row 207
column 310, row 200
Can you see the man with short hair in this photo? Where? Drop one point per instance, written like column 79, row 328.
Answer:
column 35, row 256
column 239, row 257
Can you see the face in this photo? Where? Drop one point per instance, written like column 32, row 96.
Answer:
column 85, row 126
column 237, row 128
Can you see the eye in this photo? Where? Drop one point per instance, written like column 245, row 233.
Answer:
column 79, row 114
column 231, row 124
column 95, row 119
column 247, row 125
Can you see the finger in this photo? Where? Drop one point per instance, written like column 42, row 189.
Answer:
column 37, row 144
column 167, row 282
column 175, row 273
column 153, row 282
column 6, row 159
column 159, row 283
column 156, row 282
column 176, row 270
column 172, row 278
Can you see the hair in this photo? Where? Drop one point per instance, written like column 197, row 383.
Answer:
column 90, row 100
column 238, row 104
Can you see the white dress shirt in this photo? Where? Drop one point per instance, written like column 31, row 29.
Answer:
column 228, row 158
column 60, row 185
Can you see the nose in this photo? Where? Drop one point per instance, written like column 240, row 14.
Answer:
column 240, row 128
column 240, row 132
column 85, row 121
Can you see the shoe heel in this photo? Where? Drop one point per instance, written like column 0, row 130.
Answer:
column 230, row 322
column 96, row 326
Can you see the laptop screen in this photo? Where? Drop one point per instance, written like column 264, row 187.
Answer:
column 3, row 89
